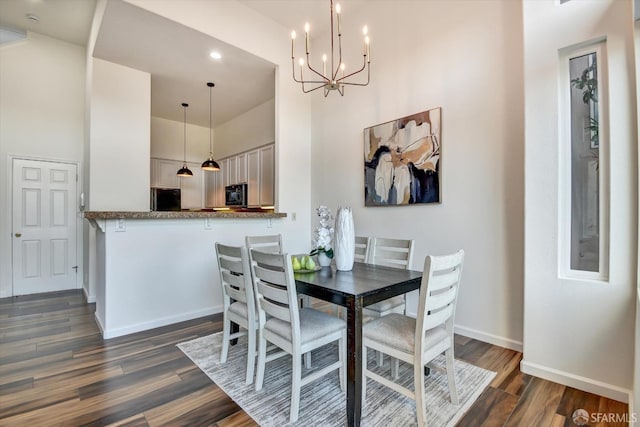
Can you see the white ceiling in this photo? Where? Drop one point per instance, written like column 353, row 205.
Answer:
column 176, row 56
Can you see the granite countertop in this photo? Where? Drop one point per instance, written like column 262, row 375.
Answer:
column 181, row 214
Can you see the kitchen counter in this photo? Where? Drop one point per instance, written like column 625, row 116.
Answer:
column 182, row 214
column 157, row 268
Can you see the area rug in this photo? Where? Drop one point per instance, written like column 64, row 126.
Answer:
column 322, row 403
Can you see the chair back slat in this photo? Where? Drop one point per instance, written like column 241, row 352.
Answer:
column 441, row 299
column 270, row 244
column 273, row 292
column 232, row 278
column 231, row 264
column 438, row 295
column 275, row 310
column 272, row 276
column 235, row 277
column 444, row 281
column 394, row 253
column 275, row 288
column 362, row 249
column 438, row 318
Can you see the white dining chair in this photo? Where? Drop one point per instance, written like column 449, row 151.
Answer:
column 239, row 304
column 294, row 330
column 418, row 341
column 395, row 253
column 273, row 244
column 362, row 249
column 268, row 243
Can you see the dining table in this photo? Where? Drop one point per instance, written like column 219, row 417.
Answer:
column 363, row 285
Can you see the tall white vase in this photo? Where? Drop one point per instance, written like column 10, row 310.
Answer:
column 345, row 240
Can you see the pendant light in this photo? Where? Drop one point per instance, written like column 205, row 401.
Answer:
column 210, row 164
column 184, row 170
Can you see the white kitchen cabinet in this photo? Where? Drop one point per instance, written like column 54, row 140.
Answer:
column 214, row 188
column 241, row 168
column 253, row 178
column 267, row 175
column 191, row 188
column 232, row 170
column 163, row 173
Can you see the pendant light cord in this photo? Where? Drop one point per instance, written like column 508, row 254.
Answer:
column 185, row 134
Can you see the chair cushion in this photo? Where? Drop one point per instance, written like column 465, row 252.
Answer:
column 399, row 331
column 314, row 324
column 387, row 304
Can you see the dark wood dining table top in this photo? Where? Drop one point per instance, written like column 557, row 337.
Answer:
column 372, row 283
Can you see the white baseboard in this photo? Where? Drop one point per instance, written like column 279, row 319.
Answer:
column 99, row 323
column 488, row 338
column 156, row 323
column 89, row 298
column 576, row 381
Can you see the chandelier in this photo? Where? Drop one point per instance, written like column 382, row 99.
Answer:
column 336, row 78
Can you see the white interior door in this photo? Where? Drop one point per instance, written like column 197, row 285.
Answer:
column 44, row 226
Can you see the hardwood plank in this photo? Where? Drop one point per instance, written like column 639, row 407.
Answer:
column 538, row 404
column 201, row 406
column 237, row 419
column 492, row 408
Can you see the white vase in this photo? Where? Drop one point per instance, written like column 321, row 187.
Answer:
column 345, row 240
column 324, row 260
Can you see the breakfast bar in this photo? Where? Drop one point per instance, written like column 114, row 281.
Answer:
column 157, row 268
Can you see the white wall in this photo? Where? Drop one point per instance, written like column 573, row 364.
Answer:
column 249, row 130
column 167, row 138
column 577, row 332
column 238, row 25
column 41, row 116
column 465, row 57
column 119, row 138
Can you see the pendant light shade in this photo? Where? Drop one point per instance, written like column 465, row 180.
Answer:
column 184, row 170
column 210, row 164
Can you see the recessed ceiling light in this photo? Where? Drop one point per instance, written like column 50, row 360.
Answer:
column 215, row 55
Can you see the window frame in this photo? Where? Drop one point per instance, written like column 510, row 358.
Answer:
column 564, row 163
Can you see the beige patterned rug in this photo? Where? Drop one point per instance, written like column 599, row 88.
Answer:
column 322, row 403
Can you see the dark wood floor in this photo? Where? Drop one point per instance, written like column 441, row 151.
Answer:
column 55, row 369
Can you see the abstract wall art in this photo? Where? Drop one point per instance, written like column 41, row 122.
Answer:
column 402, row 161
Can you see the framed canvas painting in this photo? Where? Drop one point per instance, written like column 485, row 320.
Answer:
column 402, row 161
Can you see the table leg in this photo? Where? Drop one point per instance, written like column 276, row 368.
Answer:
column 354, row 362
column 234, row 328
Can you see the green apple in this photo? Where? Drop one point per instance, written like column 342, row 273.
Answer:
column 295, row 263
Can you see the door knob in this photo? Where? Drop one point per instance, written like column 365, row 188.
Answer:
column 18, row 234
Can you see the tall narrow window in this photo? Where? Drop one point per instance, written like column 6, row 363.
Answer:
column 585, row 163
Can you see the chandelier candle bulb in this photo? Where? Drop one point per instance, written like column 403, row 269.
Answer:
column 324, row 65
column 338, row 14
column 367, row 45
column 293, row 39
column 306, row 37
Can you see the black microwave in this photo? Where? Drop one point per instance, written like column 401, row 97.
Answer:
column 235, row 195
column 165, row 199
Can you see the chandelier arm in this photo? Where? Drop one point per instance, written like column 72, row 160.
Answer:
column 311, row 90
column 335, row 74
column 312, row 69
column 349, row 75
column 359, row 84
column 293, row 66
